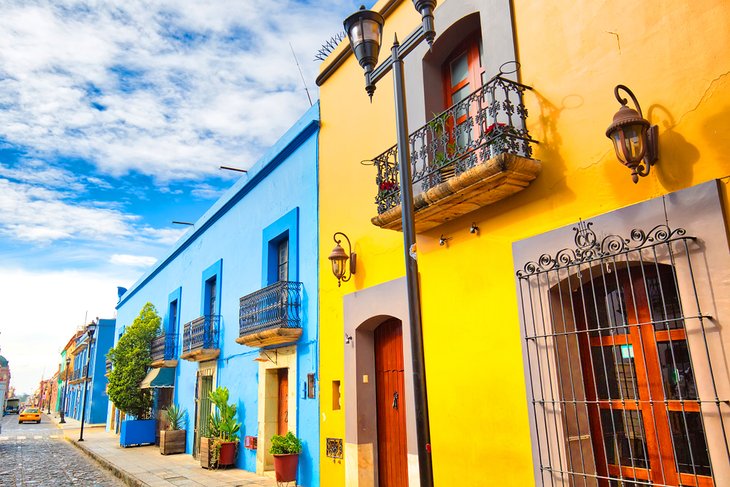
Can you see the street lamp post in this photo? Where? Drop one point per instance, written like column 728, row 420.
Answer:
column 90, row 331
column 364, row 29
column 65, row 388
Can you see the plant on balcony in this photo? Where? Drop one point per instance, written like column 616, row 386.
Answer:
column 224, row 428
column 286, row 450
column 172, row 440
column 130, row 359
column 387, row 188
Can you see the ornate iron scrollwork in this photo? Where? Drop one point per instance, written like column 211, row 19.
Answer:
column 588, row 248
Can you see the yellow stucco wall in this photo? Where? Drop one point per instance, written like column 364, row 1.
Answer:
column 674, row 55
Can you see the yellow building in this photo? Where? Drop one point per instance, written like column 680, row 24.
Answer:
column 572, row 319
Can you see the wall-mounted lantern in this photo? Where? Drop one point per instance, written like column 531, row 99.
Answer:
column 634, row 138
column 339, row 259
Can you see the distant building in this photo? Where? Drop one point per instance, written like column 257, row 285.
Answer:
column 89, row 375
column 4, row 382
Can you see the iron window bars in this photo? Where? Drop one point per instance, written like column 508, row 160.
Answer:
column 613, row 386
column 275, row 306
column 200, row 333
column 489, row 122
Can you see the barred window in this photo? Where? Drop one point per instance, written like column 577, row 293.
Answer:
column 612, row 370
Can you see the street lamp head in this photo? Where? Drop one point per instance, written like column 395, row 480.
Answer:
column 90, row 329
column 365, row 30
column 426, row 8
column 68, row 362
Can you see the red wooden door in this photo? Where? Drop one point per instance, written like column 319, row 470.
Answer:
column 392, row 456
column 282, row 424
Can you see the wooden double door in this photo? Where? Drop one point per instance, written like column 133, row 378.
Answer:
column 642, row 401
column 391, row 411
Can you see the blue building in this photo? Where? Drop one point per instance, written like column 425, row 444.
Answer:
column 97, row 401
column 238, row 297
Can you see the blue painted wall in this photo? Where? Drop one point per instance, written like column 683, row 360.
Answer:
column 278, row 194
column 97, row 402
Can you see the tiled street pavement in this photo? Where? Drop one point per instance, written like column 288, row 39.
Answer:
column 37, row 455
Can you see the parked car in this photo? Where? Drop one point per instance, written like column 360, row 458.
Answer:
column 29, row 414
column 12, row 406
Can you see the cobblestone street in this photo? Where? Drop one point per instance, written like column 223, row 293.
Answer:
column 38, row 455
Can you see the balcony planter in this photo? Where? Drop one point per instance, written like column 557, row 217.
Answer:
column 286, row 450
column 137, row 432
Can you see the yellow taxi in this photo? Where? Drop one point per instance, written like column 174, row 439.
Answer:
column 29, row 414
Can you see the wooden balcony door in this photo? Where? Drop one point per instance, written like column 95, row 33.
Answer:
column 390, row 400
column 644, row 413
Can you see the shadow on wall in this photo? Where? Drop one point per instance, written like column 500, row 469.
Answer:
column 547, row 134
column 676, row 155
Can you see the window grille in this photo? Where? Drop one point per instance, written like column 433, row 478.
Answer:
column 621, row 383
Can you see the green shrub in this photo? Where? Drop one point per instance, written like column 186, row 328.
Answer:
column 287, row 444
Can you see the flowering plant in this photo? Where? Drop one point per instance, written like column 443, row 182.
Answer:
column 388, row 186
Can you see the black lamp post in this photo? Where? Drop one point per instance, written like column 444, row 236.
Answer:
column 90, row 332
column 65, row 388
column 365, row 30
column 50, row 389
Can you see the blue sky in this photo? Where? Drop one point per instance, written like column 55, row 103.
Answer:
column 114, row 119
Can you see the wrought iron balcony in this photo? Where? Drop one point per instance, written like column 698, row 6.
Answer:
column 163, row 350
column 271, row 316
column 200, row 339
column 473, row 154
column 108, row 366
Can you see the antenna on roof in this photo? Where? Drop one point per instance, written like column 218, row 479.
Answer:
column 301, row 74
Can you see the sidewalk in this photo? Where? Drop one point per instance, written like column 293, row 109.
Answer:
column 144, row 465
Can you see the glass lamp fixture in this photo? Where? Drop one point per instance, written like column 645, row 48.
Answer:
column 339, row 259
column 634, row 139
column 365, row 31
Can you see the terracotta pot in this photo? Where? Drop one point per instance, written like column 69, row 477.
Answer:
column 285, row 467
column 227, row 454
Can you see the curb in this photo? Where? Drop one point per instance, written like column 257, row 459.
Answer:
column 119, row 473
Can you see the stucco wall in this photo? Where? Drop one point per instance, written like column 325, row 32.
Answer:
column 673, row 56
column 285, row 180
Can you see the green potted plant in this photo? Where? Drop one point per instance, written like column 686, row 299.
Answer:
column 286, row 450
column 172, row 439
column 130, row 360
column 224, row 429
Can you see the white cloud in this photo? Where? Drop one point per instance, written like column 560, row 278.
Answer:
column 132, row 260
column 214, row 82
column 44, row 315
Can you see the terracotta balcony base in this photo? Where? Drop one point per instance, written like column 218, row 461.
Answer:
column 487, row 183
column 274, row 336
column 163, row 363
column 201, row 354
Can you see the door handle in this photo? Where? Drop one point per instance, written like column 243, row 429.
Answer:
column 395, row 400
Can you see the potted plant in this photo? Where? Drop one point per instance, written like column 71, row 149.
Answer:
column 286, row 450
column 224, row 426
column 172, row 440
column 130, row 360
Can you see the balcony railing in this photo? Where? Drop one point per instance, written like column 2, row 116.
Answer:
column 164, row 347
column 488, row 123
column 108, row 366
column 271, row 315
column 200, row 338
